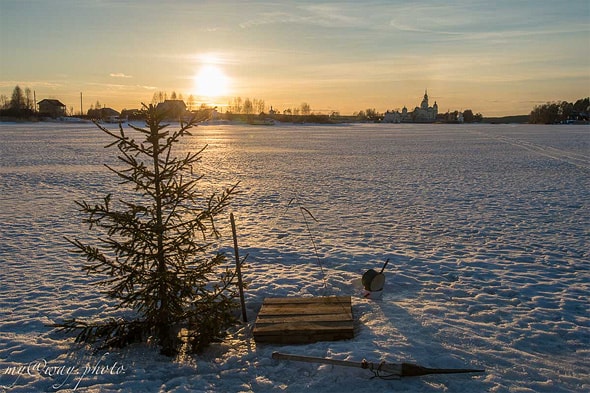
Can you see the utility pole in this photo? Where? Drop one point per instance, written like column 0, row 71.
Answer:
column 81, row 109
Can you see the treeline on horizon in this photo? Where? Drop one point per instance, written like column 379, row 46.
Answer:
column 22, row 105
column 561, row 112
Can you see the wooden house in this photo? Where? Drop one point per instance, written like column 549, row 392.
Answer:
column 173, row 109
column 53, row 108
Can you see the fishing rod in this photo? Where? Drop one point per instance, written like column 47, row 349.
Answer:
column 381, row 370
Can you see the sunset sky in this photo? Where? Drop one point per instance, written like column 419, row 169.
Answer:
column 494, row 57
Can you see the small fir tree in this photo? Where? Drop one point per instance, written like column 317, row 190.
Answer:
column 155, row 257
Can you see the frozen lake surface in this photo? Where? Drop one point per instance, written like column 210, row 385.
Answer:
column 487, row 228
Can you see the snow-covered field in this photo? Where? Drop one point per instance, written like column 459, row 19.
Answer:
column 487, row 228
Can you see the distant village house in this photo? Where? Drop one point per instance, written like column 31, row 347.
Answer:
column 131, row 114
column 52, row 108
column 108, row 115
column 173, row 109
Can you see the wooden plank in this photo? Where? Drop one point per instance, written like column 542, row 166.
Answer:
column 302, row 327
column 303, row 333
column 308, row 318
column 294, row 310
column 308, row 300
column 299, row 325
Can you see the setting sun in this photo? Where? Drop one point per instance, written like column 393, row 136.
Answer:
column 211, row 82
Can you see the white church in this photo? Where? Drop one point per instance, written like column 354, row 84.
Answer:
column 421, row 114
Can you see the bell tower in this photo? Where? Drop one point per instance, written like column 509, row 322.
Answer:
column 424, row 104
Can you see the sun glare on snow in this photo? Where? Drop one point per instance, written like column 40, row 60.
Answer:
column 211, row 81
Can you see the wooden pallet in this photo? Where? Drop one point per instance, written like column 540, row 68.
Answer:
column 292, row 320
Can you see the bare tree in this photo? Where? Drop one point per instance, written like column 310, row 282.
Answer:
column 305, row 109
column 236, row 105
column 258, row 105
column 4, row 102
column 29, row 104
column 248, row 107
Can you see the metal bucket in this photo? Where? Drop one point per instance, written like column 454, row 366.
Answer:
column 373, row 281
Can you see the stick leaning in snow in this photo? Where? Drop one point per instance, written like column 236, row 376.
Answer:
column 381, row 370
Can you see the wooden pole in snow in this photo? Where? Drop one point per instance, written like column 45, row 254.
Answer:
column 238, row 267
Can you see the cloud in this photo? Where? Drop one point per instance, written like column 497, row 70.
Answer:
column 119, row 75
column 471, row 21
column 31, row 84
column 323, row 15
